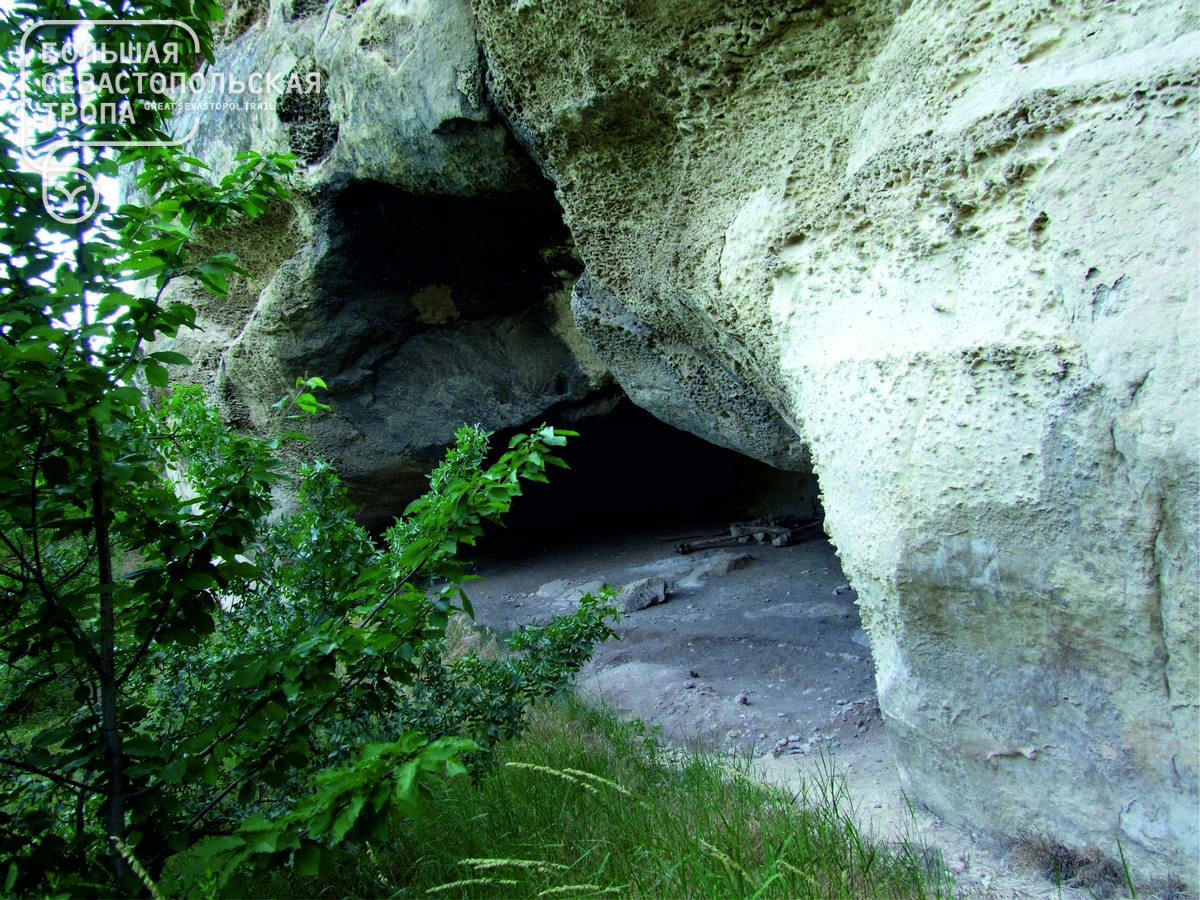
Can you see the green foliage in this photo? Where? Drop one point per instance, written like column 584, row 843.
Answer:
column 461, row 497
column 336, row 651
column 363, row 658
column 79, row 494
column 310, row 698
column 488, row 698
column 223, row 689
column 584, row 804
column 310, row 558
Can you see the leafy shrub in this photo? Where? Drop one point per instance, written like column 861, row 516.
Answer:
column 317, row 673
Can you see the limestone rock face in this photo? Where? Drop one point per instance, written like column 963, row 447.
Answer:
column 682, row 386
column 952, row 249
column 400, row 99
column 422, row 268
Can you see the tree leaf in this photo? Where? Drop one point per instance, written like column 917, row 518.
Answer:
column 156, row 375
column 307, row 860
column 170, row 357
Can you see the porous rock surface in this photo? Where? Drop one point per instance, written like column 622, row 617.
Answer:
column 953, row 248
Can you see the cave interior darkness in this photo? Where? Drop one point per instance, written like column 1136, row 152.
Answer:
column 633, row 474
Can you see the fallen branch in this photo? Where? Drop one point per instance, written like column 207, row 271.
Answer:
column 781, row 533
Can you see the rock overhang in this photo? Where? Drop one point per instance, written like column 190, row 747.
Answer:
column 944, row 245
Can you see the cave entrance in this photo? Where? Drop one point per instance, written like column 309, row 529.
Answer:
column 632, row 474
column 747, row 648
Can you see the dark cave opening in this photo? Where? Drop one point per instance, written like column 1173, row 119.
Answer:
column 496, row 253
column 633, row 474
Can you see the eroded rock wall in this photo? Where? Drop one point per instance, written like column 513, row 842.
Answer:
column 421, row 267
column 952, row 247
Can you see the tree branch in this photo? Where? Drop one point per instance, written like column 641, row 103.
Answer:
column 69, row 783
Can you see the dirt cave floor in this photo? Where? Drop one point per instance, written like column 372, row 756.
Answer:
column 757, row 651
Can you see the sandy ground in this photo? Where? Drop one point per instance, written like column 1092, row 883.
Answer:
column 757, row 651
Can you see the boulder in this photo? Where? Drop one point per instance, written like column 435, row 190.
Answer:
column 721, row 564
column 565, row 595
column 642, row 594
column 950, row 250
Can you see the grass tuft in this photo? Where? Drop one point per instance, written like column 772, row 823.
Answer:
column 597, row 779
column 586, row 805
column 568, row 889
column 565, row 775
column 472, row 882
column 484, row 864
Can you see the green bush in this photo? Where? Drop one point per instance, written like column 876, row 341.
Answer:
column 314, row 701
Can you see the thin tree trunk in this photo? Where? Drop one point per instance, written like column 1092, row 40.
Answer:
column 114, row 819
column 110, row 732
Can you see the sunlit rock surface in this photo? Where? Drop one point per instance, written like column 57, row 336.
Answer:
column 954, row 246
